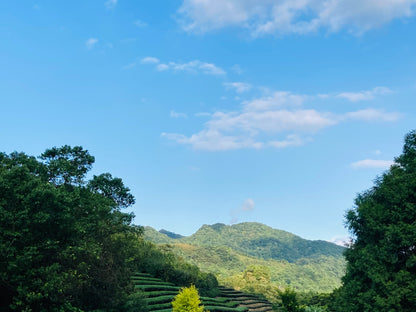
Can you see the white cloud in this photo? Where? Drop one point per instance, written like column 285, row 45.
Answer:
column 293, row 16
column 238, row 87
column 236, row 213
column 90, row 43
column 291, row 140
column 130, row 66
column 275, row 121
column 162, row 67
column 276, row 100
column 237, row 69
column 195, row 66
column 174, row 114
column 140, row 23
column 343, row 241
column 149, row 60
column 271, row 121
column 372, row 163
column 238, row 130
column 110, row 4
column 371, row 114
column 212, row 140
column 248, row 205
column 364, row 95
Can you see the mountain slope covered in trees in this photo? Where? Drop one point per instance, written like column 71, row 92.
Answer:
column 231, row 251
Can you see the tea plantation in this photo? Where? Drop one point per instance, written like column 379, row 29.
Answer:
column 159, row 296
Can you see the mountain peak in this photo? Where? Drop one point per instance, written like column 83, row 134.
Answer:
column 171, row 234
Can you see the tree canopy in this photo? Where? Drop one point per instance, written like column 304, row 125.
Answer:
column 381, row 269
column 64, row 244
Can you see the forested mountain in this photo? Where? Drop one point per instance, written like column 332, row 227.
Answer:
column 284, row 258
column 261, row 241
column 251, row 239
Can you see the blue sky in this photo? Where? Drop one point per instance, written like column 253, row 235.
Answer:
column 227, row 111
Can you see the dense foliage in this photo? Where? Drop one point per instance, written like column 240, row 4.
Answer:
column 65, row 244
column 319, row 273
column 381, row 269
column 161, row 263
column 256, row 240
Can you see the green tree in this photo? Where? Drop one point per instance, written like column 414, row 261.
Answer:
column 289, row 300
column 64, row 243
column 381, row 262
column 187, row 301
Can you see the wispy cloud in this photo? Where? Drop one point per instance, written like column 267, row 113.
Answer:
column 90, row 43
column 149, row 60
column 278, row 99
column 195, row 66
column 237, row 69
column 110, row 4
column 238, row 87
column 279, row 120
column 371, row 114
column 139, row 23
column 174, row 114
column 372, row 163
column 293, row 17
column 364, row 95
column 247, row 206
column 340, row 240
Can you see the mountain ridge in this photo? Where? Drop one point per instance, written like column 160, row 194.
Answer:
column 253, row 239
column 228, row 251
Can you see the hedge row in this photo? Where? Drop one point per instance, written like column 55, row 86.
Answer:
column 225, row 309
column 156, row 287
column 160, row 299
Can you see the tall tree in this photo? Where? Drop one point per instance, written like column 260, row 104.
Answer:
column 381, row 262
column 64, row 242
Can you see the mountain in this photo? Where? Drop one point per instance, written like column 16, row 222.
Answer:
column 157, row 237
column 229, row 251
column 261, row 241
column 170, row 234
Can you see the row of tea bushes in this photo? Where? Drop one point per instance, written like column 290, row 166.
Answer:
column 249, row 301
column 159, row 296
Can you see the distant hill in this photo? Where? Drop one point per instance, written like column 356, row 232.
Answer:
column 170, row 234
column 157, row 237
column 228, row 250
column 261, row 241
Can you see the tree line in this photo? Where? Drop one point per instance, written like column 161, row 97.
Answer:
column 66, row 244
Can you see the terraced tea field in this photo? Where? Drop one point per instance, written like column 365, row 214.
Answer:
column 159, row 296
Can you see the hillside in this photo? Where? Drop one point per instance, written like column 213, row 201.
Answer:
column 229, row 251
column 261, row 241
